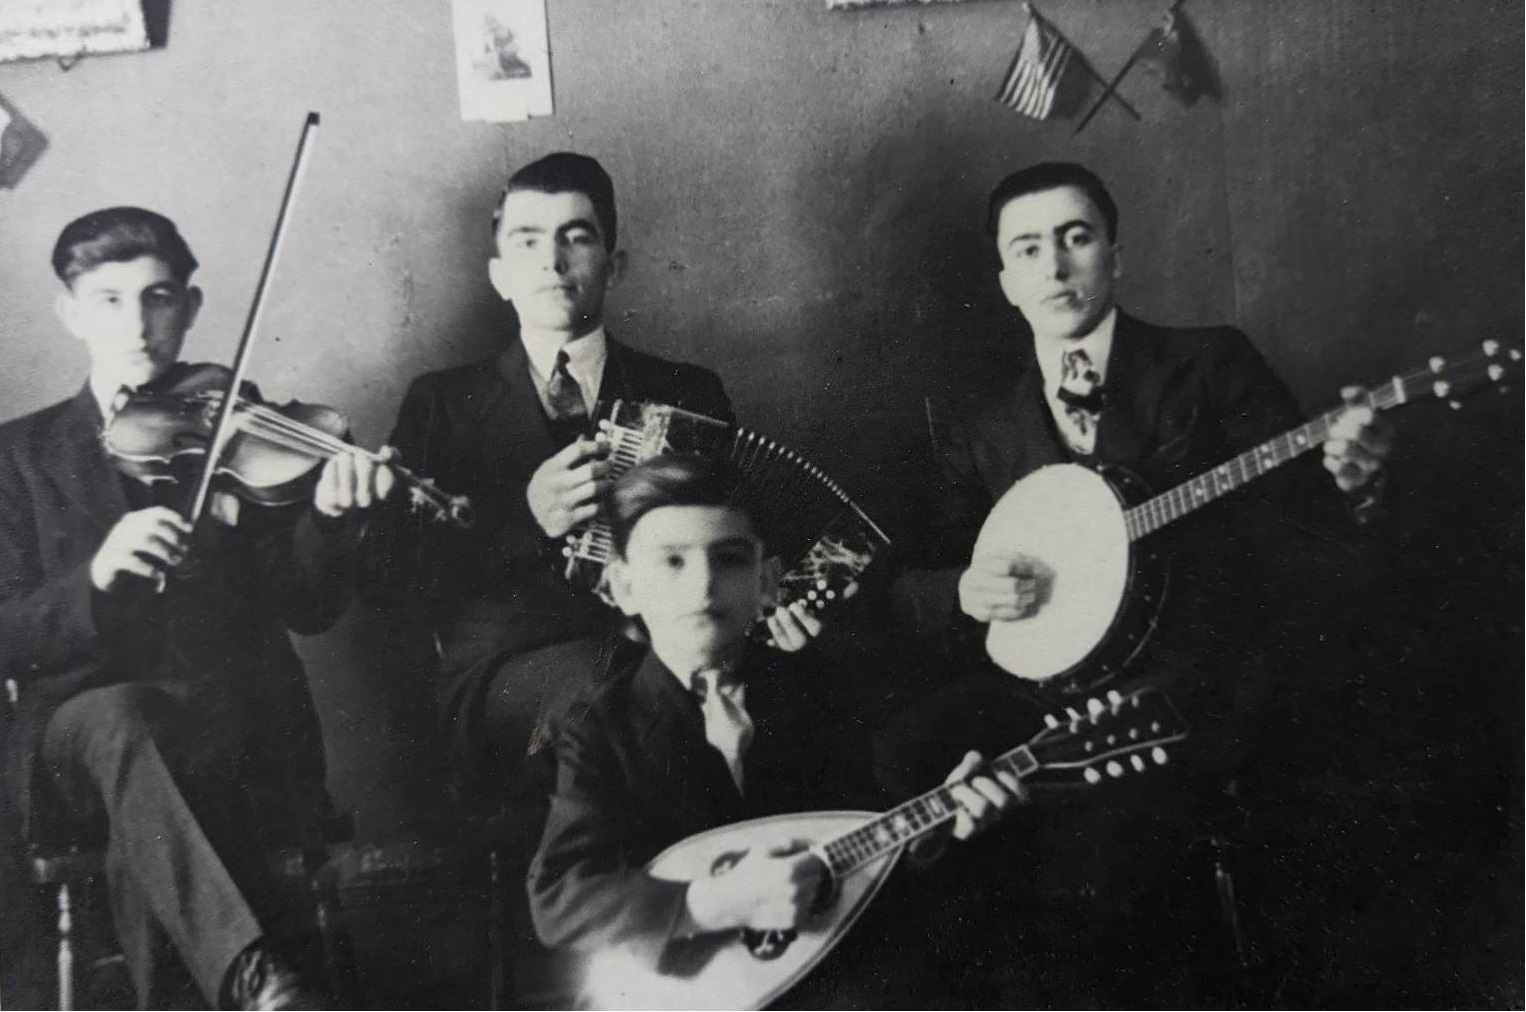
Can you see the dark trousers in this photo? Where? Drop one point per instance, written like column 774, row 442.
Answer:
column 525, row 697
column 162, row 773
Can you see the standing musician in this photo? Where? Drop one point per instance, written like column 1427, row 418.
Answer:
column 514, row 432
column 1104, row 389
column 154, row 691
column 706, row 729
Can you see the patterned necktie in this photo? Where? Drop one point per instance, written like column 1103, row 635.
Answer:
column 727, row 725
column 1082, row 394
column 564, row 398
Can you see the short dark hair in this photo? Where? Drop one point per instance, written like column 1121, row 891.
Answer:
column 567, row 172
column 1052, row 176
column 679, row 481
column 116, row 235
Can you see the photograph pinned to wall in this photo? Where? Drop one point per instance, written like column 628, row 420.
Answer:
column 37, row 29
column 503, row 59
column 843, row 5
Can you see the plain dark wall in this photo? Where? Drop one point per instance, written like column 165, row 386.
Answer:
column 801, row 193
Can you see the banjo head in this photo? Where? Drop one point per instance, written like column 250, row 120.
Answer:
column 1069, row 519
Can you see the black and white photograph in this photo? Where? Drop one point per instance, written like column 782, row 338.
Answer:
column 791, row 504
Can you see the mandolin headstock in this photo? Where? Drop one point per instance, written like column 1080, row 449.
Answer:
column 1109, row 738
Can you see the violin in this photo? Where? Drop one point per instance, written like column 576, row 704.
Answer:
column 270, row 454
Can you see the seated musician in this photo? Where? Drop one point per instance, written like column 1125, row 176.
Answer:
column 167, row 719
column 515, row 433
column 705, row 729
column 1104, row 389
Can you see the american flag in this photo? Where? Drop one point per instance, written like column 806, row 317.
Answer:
column 1037, row 69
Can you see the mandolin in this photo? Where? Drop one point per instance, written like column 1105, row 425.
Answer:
column 1114, row 738
column 1102, row 591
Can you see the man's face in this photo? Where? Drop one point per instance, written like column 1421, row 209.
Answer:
column 697, row 577
column 552, row 263
column 132, row 316
column 1057, row 263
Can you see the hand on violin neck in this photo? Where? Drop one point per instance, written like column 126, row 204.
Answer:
column 146, row 543
column 351, row 482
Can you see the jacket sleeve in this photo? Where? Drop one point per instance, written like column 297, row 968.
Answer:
column 584, row 892
column 925, row 594
column 406, row 554
column 47, row 622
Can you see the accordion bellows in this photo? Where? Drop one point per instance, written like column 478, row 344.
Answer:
column 824, row 540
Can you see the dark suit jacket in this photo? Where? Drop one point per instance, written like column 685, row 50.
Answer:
column 635, row 775
column 1180, row 400
column 221, row 621
column 497, row 590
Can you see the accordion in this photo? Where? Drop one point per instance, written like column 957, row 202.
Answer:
column 823, row 539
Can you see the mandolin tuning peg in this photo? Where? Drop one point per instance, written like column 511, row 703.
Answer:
column 1159, row 755
column 1091, row 776
column 1114, row 768
column 1051, row 721
column 1137, row 762
column 1095, row 708
column 1114, row 698
column 1455, row 405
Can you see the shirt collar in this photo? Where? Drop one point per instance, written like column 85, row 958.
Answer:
column 104, row 398
column 1098, row 345
column 585, row 355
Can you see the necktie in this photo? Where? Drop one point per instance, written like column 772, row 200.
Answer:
column 1082, row 394
column 564, row 398
column 727, row 725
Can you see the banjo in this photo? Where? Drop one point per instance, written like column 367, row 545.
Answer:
column 1121, row 736
column 1100, row 591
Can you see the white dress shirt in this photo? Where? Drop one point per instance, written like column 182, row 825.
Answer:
column 585, row 361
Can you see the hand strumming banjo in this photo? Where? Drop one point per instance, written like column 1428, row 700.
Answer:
column 1101, row 595
column 1121, row 737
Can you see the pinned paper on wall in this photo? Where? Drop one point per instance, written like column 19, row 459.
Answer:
column 34, row 29
column 503, row 59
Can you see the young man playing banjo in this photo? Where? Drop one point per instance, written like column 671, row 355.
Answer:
column 1104, row 389
column 706, row 729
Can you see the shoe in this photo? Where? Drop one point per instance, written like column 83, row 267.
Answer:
column 258, row 980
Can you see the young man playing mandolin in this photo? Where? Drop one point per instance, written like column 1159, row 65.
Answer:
column 153, row 693
column 708, row 728
column 1106, row 390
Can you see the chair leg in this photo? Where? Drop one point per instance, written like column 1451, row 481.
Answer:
column 338, row 950
column 65, row 949
column 498, row 944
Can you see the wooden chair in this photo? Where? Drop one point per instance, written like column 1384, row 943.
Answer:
column 68, row 865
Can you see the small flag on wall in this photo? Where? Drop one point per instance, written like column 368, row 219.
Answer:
column 1042, row 61
column 1174, row 51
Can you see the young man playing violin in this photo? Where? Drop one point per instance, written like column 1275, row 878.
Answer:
column 707, row 728
column 154, row 694
column 515, row 433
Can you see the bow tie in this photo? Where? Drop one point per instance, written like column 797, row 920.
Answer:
column 1092, row 401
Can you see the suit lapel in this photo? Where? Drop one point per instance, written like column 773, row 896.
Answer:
column 1134, row 387
column 515, row 423
column 673, row 739
column 1025, row 436
column 78, row 467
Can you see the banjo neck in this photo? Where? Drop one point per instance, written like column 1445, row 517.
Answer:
column 1439, row 379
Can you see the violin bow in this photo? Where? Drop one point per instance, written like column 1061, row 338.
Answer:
column 223, row 430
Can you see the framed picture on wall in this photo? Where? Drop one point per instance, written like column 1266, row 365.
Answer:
column 38, row 29
column 503, row 59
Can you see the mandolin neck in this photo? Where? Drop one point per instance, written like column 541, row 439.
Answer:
column 914, row 819
column 1168, row 507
